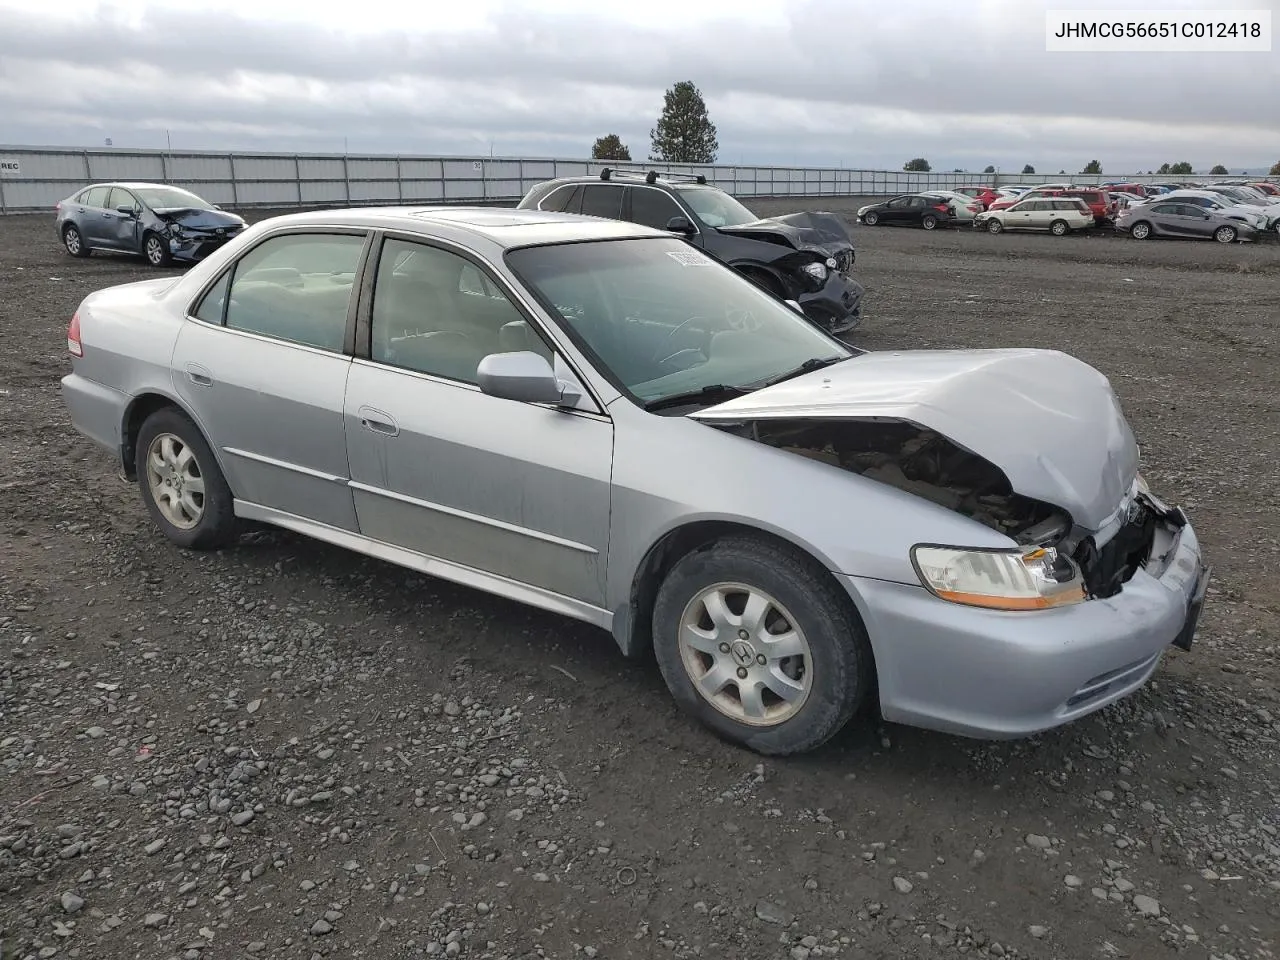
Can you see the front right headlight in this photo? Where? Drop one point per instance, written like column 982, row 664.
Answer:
column 1036, row 578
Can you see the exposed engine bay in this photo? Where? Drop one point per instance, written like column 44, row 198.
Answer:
column 917, row 461
column 922, row 462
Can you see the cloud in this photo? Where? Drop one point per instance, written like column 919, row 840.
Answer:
column 818, row 81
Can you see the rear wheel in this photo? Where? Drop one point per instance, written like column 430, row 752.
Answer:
column 1059, row 228
column 1225, row 234
column 758, row 644
column 994, row 225
column 1140, row 230
column 73, row 240
column 871, row 219
column 182, row 486
column 929, row 221
column 156, row 250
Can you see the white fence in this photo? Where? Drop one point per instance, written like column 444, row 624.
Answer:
column 36, row 178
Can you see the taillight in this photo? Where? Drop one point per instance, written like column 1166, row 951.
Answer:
column 940, row 207
column 73, row 336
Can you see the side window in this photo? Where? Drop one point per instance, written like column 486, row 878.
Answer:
column 602, row 200
column 97, row 197
column 653, row 208
column 119, row 197
column 212, row 303
column 296, row 287
column 427, row 316
column 562, row 199
column 917, row 202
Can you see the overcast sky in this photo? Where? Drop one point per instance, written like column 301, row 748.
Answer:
column 858, row 83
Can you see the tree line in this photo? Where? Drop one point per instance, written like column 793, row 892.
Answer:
column 684, row 133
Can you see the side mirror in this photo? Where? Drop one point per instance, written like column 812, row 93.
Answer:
column 523, row 376
column 126, row 209
column 680, row 225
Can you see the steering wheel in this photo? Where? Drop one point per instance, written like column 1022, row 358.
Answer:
column 666, row 343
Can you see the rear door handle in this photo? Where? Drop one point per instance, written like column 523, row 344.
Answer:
column 199, row 375
column 379, row 421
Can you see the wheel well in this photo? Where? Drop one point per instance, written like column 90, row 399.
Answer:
column 142, row 407
column 634, row 628
column 761, row 276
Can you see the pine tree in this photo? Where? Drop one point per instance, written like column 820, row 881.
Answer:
column 610, row 147
column 685, row 133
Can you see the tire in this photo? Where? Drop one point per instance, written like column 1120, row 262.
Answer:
column 1059, row 228
column 994, row 226
column 836, row 655
column 1225, row 234
column 871, row 219
column 73, row 241
column 928, row 221
column 764, row 280
column 156, row 250
column 1140, row 230
column 158, row 460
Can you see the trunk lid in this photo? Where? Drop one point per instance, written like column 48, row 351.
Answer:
column 1050, row 422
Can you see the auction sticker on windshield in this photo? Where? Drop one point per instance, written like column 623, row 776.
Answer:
column 689, row 258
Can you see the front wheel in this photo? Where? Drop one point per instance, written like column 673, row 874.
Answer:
column 929, row 221
column 156, row 250
column 1059, row 228
column 1225, row 234
column 871, row 219
column 182, row 486
column 758, row 644
column 994, row 226
column 1140, row 230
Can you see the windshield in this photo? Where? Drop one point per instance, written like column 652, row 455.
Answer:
column 164, row 198
column 663, row 318
column 715, row 207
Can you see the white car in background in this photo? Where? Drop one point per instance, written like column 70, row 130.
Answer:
column 963, row 208
column 1058, row 215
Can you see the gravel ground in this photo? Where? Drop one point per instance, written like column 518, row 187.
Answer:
column 284, row 750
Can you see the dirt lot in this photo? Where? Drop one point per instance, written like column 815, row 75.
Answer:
column 287, row 751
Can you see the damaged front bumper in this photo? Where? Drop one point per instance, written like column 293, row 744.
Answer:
column 999, row 675
column 837, row 307
column 198, row 244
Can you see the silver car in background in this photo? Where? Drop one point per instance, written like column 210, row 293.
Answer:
column 594, row 418
column 1181, row 220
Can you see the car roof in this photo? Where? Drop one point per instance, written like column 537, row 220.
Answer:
column 133, row 185
column 506, row 227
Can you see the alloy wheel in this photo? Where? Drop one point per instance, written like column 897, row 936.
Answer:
column 176, row 482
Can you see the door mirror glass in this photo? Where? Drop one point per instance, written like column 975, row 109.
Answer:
column 523, row 376
column 680, row 225
column 126, row 209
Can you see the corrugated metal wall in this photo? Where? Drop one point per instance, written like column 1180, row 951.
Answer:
column 36, row 178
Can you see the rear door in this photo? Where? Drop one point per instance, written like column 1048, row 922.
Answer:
column 265, row 370
column 94, row 222
column 602, row 200
column 120, row 230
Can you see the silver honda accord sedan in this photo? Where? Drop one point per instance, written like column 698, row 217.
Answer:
column 598, row 419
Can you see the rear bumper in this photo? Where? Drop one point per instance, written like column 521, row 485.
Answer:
column 97, row 411
column 998, row 675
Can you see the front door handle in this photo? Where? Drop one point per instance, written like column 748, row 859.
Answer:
column 199, row 374
column 379, row 421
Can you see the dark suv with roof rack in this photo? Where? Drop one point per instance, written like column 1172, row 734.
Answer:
column 803, row 257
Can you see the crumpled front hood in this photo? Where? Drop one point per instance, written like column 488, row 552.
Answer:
column 1050, row 422
column 825, row 231
column 194, row 219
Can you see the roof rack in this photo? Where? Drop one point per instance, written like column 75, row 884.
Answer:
column 652, row 176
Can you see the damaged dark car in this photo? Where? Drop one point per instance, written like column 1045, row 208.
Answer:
column 803, row 257
column 157, row 221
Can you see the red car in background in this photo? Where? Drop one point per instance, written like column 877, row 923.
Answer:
column 1268, row 188
column 984, row 195
column 1097, row 199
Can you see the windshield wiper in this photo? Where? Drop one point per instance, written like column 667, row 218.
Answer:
column 814, row 363
column 710, row 393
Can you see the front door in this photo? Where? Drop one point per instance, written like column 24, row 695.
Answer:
column 265, row 372
column 513, row 490
column 120, row 230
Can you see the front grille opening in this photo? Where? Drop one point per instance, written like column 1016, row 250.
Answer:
column 1107, row 570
